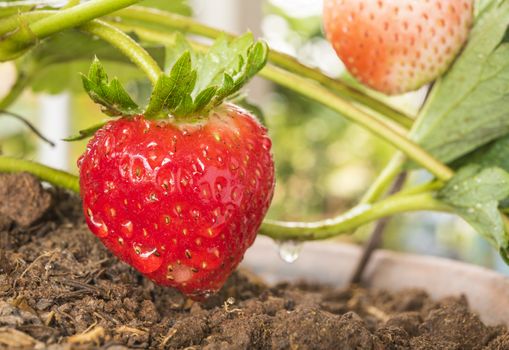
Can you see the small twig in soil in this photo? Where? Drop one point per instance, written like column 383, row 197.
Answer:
column 49, row 318
column 94, row 335
column 168, row 336
column 32, row 264
column 29, row 125
column 127, row 329
column 376, row 237
column 82, row 286
column 106, row 317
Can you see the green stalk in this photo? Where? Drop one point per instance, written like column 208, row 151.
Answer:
column 171, row 21
column 354, row 218
column 129, row 47
column 25, row 34
column 77, row 15
column 53, row 176
column 384, row 180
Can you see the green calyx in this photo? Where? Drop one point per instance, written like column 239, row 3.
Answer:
column 193, row 84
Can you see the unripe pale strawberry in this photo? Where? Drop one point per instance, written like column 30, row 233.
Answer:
column 397, row 46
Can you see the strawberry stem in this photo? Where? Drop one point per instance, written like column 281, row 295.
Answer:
column 384, row 180
column 129, row 47
column 77, row 15
column 45, row 173
column 26, row 34
column 352, row 219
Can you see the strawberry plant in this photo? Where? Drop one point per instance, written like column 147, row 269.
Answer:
column 177, row 183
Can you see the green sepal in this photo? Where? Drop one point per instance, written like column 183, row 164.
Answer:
column 111, row 95
column 85, row 133
column 198, row 82
column 171, row 91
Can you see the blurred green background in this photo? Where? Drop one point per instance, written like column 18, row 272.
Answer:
column 324, row 163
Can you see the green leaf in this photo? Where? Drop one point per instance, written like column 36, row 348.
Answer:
column 111, row 95
column 481, row 6
column 198, row 82
column 495, row 154
column 475, row 193
column 85, row 133
column 469, row 106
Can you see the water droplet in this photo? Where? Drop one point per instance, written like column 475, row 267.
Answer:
column 127, row 228
column 266, row 144
column 100, row 228
column 146, row 260
column 201, row 166
column 205, row 151
column 289, row 250
column 152, row 198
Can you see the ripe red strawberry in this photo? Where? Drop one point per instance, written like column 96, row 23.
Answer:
column 181, row 202
column 397, row 46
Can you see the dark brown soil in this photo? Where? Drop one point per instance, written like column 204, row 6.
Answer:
column 60, row 289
